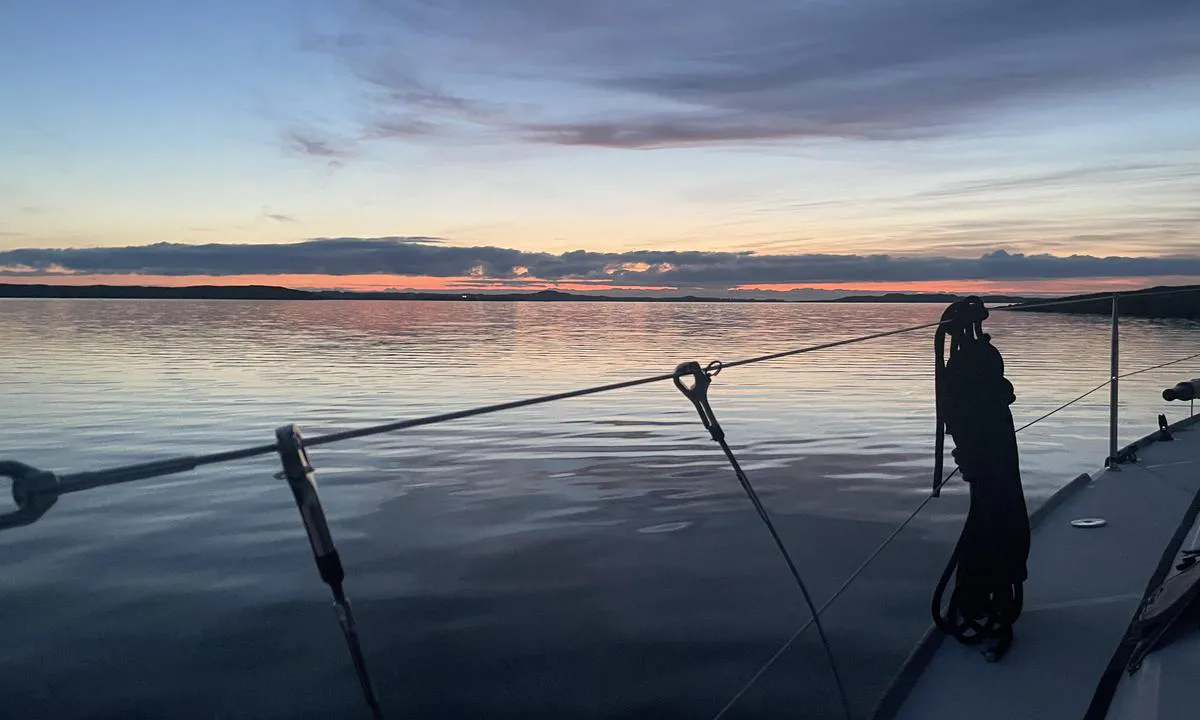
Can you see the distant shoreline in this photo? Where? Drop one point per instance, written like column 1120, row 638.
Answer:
column 1181, row 302
column 271, row 292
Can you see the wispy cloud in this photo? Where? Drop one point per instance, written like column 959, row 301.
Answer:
column 652, row 73
column 416, row 256
column 279, row 217
column 308, row 144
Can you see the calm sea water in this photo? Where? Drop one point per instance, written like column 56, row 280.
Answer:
column 589, row 558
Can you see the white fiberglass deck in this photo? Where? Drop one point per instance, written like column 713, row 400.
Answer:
column 1084, row 586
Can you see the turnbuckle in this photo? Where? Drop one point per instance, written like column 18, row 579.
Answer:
column 299, row 475
column 300, row 478
column 697, row 392
column 34, row 492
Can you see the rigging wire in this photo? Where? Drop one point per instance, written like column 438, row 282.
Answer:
column 828, row 345
column 894, row 534
column 698, row 394
column 86, row 480
column 75, row 482
column 1156, row 367
column 826, row 605
column 1094, row 297
column 815, row 618
column 1064, row 406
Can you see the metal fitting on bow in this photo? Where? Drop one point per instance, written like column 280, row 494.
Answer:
column 34, row 492
column 299, row 474
column 697, row 392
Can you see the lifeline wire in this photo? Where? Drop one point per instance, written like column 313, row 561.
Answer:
column 892, row 536
column 299, row 475
column 1156, row 367
column 832, row 598
column 815, row 619
column 1093, row 298
column 1064, row 406
column 74, row 482
column 698, row 394
column 86, row 480
column 1104, row 385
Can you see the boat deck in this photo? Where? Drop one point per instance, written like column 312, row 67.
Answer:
column 1164, row 686
column 1084, row 587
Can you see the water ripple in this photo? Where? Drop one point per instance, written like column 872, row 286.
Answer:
column 540, row 562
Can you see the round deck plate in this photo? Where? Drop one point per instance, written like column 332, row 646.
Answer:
column 1087, row 523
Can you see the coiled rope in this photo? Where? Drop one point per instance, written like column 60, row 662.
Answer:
column 988, row 562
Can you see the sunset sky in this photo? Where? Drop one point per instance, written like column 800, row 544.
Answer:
column 1047, row 147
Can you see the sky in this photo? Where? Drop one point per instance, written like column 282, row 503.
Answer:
column 631, row 145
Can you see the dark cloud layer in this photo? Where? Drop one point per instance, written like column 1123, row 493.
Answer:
column 677, row 72
column 417, row 256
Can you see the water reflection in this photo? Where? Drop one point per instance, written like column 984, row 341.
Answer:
column 593, row 556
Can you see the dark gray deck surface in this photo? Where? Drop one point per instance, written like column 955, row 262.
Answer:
column 1167, row 686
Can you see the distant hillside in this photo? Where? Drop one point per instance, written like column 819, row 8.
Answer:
column 1182, row 302
column 270, row 292
column 946, row 298
column 539, row 296
column 140, row 292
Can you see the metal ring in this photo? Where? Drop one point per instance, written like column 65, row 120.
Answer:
column 713, row 369
column 1088, row 523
